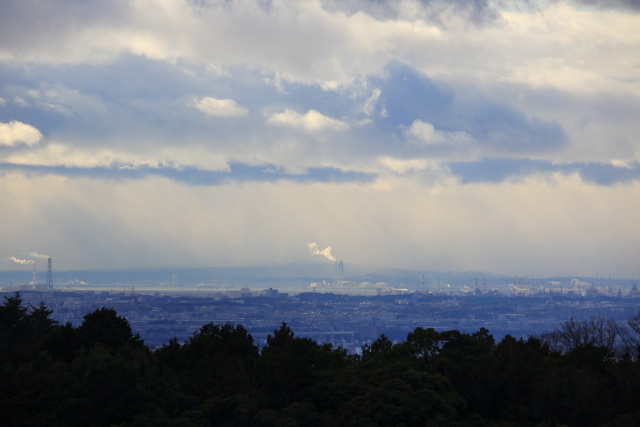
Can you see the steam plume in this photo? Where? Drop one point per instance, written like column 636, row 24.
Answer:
column 313, row 248
column 22, row 261
column 37, row 255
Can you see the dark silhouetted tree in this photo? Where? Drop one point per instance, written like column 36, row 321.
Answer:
column 105, row 327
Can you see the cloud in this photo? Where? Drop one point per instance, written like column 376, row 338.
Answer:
column 402, row 166
column 632, row 5
column 17, row 133
column 220, row 107
column 369, row 104
column 229, row 174
column 444, row 126
column 520, row 227
column 434, row 114
column 69, row 156
column 311, row 121
column 440, row 12
column 501, row 170
column 332, row 43
column 426, row 134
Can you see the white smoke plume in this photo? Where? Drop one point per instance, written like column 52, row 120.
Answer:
column 22, row 261
column 313, row 248
column 37, row 255
column 579, row 283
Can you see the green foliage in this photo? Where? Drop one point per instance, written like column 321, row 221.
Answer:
column 216, row 361
column 101, row 374
column 285, row 368
column 381, row 346
column 105, row 327
column 22, row 328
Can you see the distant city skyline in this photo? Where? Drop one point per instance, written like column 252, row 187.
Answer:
column 414, row 134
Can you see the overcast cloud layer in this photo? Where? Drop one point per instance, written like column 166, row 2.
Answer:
column 428, row 134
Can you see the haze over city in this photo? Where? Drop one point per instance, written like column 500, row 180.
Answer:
column 430, row 135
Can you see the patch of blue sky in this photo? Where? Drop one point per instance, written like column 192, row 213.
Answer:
column 237, row 173
column 499, row 170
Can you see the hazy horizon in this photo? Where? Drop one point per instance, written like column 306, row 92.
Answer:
column 301, row 276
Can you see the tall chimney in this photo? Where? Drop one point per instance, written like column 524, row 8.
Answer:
column 49, row 277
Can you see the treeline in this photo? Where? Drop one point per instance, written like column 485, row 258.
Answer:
column 585, row 373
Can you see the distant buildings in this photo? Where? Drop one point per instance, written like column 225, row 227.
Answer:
column 340, row 319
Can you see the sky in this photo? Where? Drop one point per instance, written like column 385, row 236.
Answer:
column 488, row 135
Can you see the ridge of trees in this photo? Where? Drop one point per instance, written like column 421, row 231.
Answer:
column 583, row 373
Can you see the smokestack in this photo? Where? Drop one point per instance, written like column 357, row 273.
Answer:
column 49, row 276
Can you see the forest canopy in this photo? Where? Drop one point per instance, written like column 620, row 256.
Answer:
column 583, row 373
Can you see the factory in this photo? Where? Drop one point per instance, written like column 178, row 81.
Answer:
column 34, row 284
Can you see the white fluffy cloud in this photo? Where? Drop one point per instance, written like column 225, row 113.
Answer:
column 220, row 107
column 59, row 154
column 426, row 134
column 311, row 121
column 17, row 133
